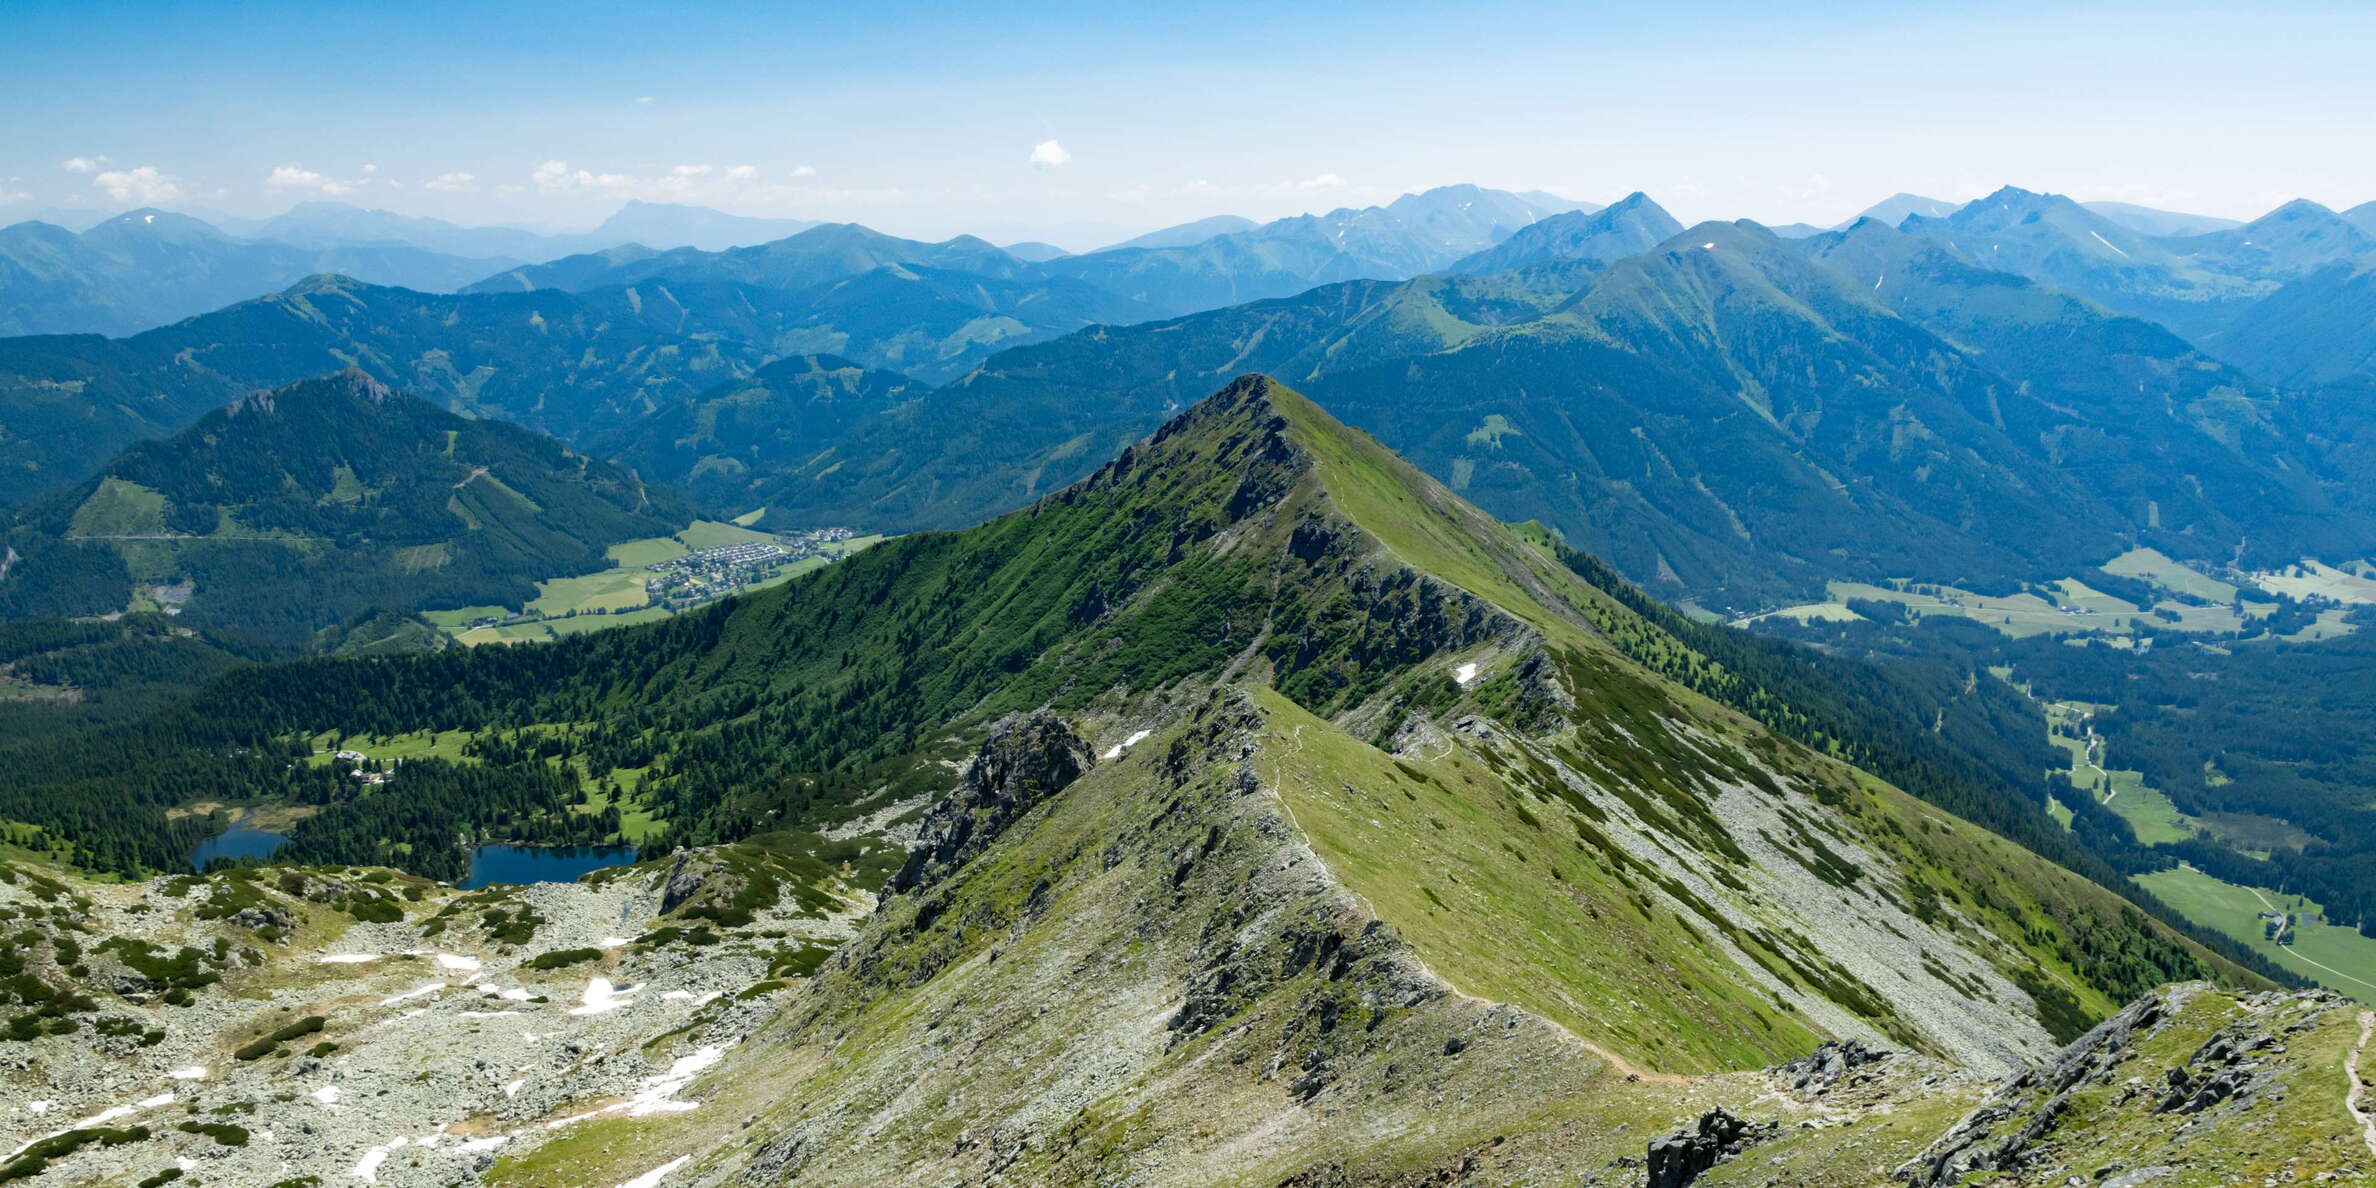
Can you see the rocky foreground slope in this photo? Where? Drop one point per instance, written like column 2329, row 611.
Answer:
column 1338, row 835
column 302, row 1026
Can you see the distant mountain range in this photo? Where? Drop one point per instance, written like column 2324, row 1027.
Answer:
column 148, row 267
column 1633, row 226
column 575, row 364
column 1729, row 416
column 2150, row 221
column 653, row 224
column 291, row 511
column 1187, row 234
column 811, row 257
column 1894, row 209
column 2145, row 220
column 2015, row 386
column 1203, row 265
column 2199, row 276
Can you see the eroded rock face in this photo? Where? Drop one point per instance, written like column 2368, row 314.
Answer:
column 1829, row 1064
column 1025, row 759
column 2019, row 1130
column 1679, row 1158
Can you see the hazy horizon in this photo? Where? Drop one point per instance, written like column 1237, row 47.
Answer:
column 1082, row 126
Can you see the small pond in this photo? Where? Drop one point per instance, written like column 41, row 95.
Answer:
column 540, row 864
column 241, row 840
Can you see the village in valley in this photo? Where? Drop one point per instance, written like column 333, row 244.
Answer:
column 704, row 575
column 654, row 578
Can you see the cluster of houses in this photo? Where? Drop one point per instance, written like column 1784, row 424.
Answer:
column 372, row 777
column 2278, row 927
column 705, row 574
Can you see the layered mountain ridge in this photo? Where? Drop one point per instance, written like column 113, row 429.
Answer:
column 1729, row 416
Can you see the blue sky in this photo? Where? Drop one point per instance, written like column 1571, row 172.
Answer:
column 926, row 119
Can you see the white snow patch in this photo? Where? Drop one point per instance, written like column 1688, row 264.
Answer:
column 347, row 958
column 456, row 961
column 512, row 1088
column 101, row 1118
column 483, row 1144
column 657, row 1094
column 615, row 942
column 689, row 996
column 367, row 1170
column 652, row 1178
column 602, row 996
column 2099, row 238
column 196, row 1072
column 1115, row 751
column 1708, row 247
column 38, row 1108
column 327, row 1095
column 416, row 992
column 1465, row 674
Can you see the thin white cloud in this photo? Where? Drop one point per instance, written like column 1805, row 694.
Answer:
column 82, row 164
column 746, row 187
column 556, row 177
column 1816, row 188
column 645, row 100
column 451, row 183
column 145, row 184
column 297, row 177
column 1048, row 154
column 802, row 170
column 684, row 178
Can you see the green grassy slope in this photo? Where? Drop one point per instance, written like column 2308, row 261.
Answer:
column 1266, row 936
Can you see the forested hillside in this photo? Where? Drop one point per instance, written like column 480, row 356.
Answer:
column 293, row 510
